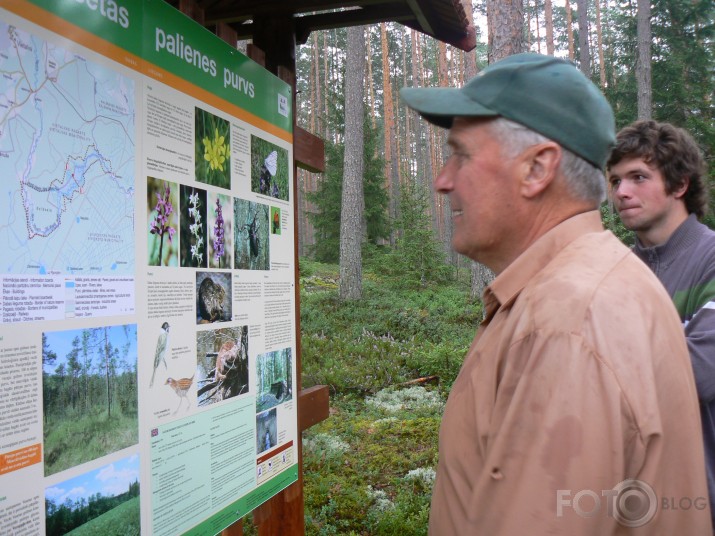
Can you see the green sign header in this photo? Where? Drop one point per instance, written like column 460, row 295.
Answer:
column 156, row 32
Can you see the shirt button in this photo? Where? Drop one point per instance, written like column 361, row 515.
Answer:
column 496, row 474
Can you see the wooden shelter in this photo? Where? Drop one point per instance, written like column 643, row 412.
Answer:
column 275, row 28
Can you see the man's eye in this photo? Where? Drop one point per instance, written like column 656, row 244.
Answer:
column 615, row 183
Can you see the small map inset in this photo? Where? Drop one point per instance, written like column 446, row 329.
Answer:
column 66, row 161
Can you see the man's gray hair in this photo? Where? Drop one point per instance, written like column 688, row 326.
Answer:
column 583, row 179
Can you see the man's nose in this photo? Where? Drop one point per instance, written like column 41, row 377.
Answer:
column 443, row 180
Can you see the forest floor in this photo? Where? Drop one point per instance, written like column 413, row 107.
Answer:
column 389, row 361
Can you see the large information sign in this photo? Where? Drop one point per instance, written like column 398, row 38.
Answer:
column 147, row 336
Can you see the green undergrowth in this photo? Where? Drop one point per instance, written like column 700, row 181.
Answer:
column 395, row 333
column 369, row 468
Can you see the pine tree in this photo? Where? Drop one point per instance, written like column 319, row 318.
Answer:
column 327, row 198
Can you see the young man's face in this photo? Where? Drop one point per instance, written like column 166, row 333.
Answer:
column 638, row 192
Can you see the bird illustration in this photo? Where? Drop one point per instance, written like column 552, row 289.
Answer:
column 162, row 344
column 181, row 388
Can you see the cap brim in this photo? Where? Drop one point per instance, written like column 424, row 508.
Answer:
column 439, row 105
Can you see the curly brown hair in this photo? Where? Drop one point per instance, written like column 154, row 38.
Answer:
column 673, row 151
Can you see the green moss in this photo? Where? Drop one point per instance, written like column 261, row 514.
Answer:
column 380, row 484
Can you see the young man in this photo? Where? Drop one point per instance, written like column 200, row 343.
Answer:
column 657, row 178
column 575, row 412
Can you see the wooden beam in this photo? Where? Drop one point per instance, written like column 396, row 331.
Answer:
column 234, row 530
column 256, row 54
column 276, row 36
column 286, row 513
column 313, row 406
column 227, row 34
column 397, row 12
column 191, row 9
column 308, row 151
column 247, row 9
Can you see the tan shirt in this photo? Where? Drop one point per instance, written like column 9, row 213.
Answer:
column 578, row 379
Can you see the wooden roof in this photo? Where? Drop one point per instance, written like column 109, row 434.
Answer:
column 445, row 20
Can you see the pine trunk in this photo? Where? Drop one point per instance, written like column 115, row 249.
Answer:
column 351, row 218
column 643, row 77
column 326, row 81
column 506, row 28
column 584, row 52
column 538, row 26
column 371, row 85
column 107, row 374
column 423, row 145
column 549, row 21
column 389, row 128
column 404, row 154
column 601, row 61
column 569, row 29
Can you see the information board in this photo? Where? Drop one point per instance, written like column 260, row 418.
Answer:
column 147, row 337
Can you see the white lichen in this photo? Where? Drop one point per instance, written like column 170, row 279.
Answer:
column 381, row 502
column 425, row 474
column 327, row 445
column 413, row 398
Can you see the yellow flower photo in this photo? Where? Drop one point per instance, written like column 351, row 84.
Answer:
column 213, row 149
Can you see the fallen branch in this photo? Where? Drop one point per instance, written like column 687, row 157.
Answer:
column 419, row 381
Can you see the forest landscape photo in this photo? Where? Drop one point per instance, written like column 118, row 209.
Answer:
column 89, row 388
column 275, row 379
column 103, row 501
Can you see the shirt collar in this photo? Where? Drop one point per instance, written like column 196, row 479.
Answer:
column 514, row 278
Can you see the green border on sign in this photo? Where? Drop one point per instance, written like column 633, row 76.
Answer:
column 121, row 26
column 236, row 510
column 186, row 49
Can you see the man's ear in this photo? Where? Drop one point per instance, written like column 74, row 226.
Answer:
column 680, row 190
column 541, row 164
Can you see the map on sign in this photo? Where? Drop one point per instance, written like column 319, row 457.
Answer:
column 66, row 161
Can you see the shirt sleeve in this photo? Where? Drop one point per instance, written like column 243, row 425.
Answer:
column 700, row 335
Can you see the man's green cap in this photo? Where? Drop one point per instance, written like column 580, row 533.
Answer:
column 546, row 94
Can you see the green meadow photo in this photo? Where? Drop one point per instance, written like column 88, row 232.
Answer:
column 89, row 388
column 103, row 501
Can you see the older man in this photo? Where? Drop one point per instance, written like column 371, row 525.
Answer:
column 575, row 411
